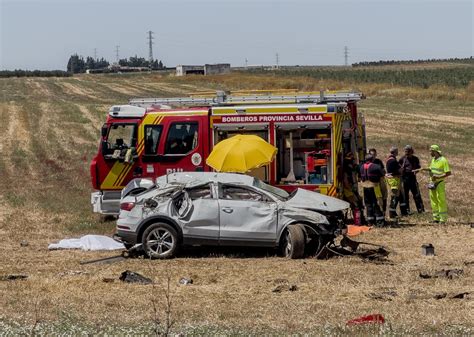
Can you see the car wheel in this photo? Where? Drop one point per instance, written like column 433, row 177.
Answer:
column 292, row 245
column 316, row 244
column 160, row 241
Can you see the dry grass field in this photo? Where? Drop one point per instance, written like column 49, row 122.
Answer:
column 49, row 133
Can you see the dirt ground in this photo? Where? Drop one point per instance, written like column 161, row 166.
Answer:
column 49, row 130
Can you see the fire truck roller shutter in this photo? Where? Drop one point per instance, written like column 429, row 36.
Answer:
column 224, row 131
column 305, row 138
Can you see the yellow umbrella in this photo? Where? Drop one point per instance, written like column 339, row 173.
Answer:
column 241, row 153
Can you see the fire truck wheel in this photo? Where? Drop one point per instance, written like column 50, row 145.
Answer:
column 293, row 242
column 160, row 241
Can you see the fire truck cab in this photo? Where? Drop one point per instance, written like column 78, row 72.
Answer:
column 152, row 137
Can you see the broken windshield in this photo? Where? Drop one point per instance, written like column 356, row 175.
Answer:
column 278, row 192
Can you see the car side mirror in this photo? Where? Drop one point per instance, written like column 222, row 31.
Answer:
column 104, row 130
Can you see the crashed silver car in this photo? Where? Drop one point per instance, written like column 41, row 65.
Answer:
column 225, row 209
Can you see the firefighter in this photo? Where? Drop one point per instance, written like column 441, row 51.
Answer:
column 371, row 174
column 439, row 170
column 410, row 166
column 350, row 192
column 393, row 180
column 383, row 183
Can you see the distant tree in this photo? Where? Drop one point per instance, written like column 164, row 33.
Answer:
column 102, row 63
column 157, row 65
column 90, row 63
column 76, row 64
column 123, row 63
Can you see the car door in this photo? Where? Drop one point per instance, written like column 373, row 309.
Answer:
column 200, row 219
column 247, row 216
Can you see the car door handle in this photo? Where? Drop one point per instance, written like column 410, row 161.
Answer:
column 227, row 210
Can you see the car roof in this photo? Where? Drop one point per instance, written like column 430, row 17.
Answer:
column 195, row 177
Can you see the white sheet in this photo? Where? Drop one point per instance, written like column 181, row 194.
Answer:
column 88, row 242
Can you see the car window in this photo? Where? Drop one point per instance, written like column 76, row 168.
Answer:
column 152, row 138
column 240, row 193
column 182, row 138
column 200, row 192
column 277, row 192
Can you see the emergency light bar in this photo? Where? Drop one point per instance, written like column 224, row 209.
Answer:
column 127, row 111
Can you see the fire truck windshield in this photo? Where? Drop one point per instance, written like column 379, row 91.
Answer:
column 121, row 136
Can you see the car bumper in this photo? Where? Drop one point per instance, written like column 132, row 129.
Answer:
column 125, row 237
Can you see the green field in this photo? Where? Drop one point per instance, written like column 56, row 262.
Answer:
column 50, row 131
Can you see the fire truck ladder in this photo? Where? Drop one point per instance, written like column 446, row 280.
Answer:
column 222, row 98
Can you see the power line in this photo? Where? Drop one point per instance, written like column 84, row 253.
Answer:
column 346, row 56
column 150, row 47
column 117, row 53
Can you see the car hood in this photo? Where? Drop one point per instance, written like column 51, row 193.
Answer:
column 315, row 201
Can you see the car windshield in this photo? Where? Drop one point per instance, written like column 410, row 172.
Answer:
column 278, row 192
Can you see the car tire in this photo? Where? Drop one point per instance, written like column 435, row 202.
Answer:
column 316, row 244
column 160, row 241
column 293, row 242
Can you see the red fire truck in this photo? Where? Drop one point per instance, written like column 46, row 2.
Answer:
column 157, row 136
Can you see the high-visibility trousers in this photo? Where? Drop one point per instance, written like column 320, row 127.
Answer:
column 439, row 206
column 394, row 184
column 396, row 196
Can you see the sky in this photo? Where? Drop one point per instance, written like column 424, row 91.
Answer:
column 43, row 34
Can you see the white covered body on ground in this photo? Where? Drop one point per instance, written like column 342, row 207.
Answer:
column 88, row 242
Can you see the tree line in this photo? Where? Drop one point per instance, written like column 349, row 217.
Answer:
column 459, row 76
column 34, row 73
column 466, row 60
column 77, row 64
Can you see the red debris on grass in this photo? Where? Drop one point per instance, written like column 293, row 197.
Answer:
column 375, row 318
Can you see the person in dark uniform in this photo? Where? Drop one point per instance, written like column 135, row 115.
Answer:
column 350, row 191
column 410, row 165
column 371, row 174
column 383, row 183
column 394, row 171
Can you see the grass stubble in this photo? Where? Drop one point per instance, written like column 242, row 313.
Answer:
column 47, row 145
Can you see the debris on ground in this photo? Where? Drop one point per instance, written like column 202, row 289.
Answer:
column 427, row 249
column 185, row 281
column 24, row 243
column 374, row 254
column 353, row 230
column 108, row 279
column 88, row 242
column 350, row 247
column 457, row 296
column 132, row 277
column 13, row 277
column 461, row 295
column 375, row 318
column 284, row 287
column 444, row 273
column 440, row 296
